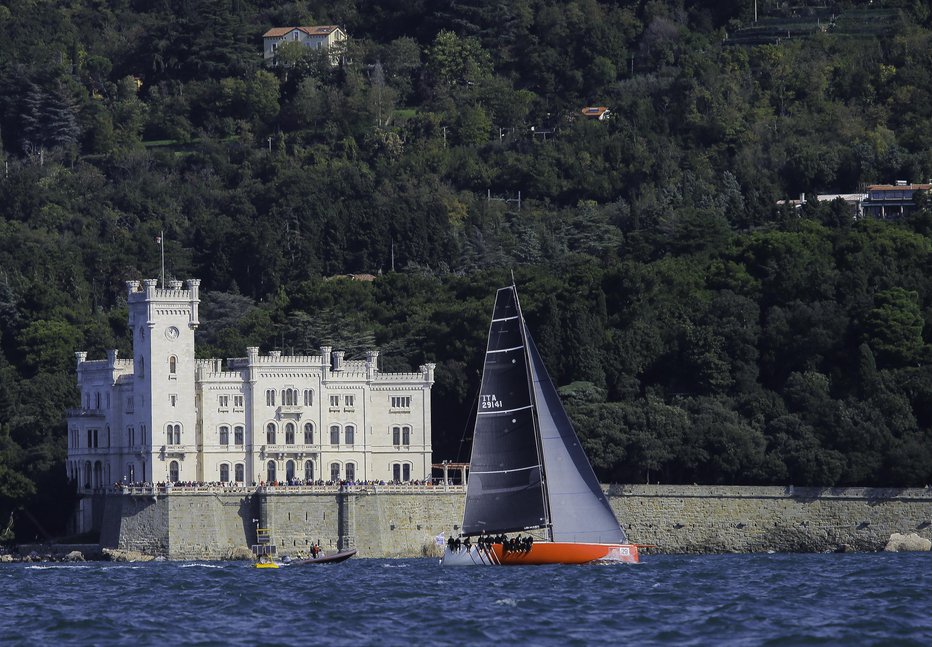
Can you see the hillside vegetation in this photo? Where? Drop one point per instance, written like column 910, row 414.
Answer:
column 699, row 333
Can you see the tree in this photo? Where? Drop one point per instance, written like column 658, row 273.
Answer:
column 894, row 326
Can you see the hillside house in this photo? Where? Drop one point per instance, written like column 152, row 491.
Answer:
column 596, row 112
column 887, row 201
column 329, row 37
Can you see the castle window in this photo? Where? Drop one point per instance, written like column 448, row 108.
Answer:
column 224, row 401
column 290, row 397
column 132, row 436
column 401, row 472
column 348, row 400
column 172, row 365
column 142, row 366
column 308, row 470
column 238, row 437
column 308, row 398
column 334, row 435
column 334, row 400
column 270, row 398
column 406, row 436
column 173, row 475
column 174, row 434
column 289, row 433
column 238, row 401
column 224, row 473
column 396, row 436
column 270, row 433
column 350, row 435
column 240, row 473
column 351, row 471
column 224, row 436
column 308, row 433
column 289, row 471
column 173, row 399
column 270, row 472
column 334, row 472
column 97, row 400
column 401, row 401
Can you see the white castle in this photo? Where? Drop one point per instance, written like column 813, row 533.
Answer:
column 164, row 416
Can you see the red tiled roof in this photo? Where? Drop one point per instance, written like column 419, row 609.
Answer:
column 899, row 187
column 316, row 30
column 594, row 111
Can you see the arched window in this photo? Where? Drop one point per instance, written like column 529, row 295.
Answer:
column 289, row 471
column 237, row 435
column 308, row 470
column 350, row 434
column 270, row 398
column 308, row 398
column 351, row 471
column 270, row 433
column 406, row 436
column 334, row 435
column 224, row 473
column 225, row 438
column 131, row 473
column 401, row 472
column 172, row 365
column 289, row 433
column 396, row 436
column 290, row 397
column 173, row 472
column 239, row 472
column 270, row 472
column 308, row 433
column 98, row 474
column 334, row 472
column 174, row 434
column 142, row 366
column 87, row 474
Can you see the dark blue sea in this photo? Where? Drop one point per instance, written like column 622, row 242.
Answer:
column 843, row 599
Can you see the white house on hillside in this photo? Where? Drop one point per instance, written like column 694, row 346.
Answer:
column 164, row 416
column 329, row 37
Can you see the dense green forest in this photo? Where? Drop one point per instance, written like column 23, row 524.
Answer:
column 699, row 332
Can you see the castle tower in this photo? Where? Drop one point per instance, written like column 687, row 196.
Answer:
column 163, row 321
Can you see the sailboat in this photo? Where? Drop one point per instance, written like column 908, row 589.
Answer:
column 528, row 471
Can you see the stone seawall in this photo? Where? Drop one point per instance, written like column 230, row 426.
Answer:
column 676, row 519
column 702, row 519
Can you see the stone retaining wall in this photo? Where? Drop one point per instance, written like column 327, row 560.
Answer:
column 677, row 519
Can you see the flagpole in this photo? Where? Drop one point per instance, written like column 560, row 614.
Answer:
column 162, row 245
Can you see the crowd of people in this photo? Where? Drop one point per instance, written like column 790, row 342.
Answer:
column 121, row 485
column 485, row 542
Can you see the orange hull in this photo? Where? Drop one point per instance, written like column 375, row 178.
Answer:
column 565, row 553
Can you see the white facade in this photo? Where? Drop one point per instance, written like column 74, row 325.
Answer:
column 164, row 416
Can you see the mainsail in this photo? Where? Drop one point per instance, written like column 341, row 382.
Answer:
column 505, row 490
column 528, row 469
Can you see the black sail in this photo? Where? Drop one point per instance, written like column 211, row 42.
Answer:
column 505, row 484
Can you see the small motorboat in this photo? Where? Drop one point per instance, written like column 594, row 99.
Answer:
column 332, row 558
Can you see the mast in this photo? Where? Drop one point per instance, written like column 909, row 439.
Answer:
column 534, row 417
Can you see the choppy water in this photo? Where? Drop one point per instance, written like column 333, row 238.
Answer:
column 845, row 599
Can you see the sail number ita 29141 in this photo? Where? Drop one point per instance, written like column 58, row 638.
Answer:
column 489, row 402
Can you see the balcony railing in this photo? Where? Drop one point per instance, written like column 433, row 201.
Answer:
column 235, row 488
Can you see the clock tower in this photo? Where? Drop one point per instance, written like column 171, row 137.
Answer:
column 163, row 321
